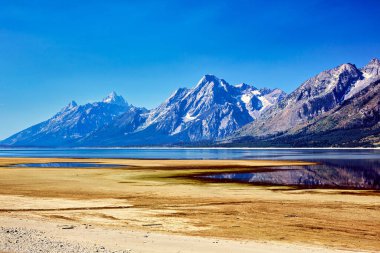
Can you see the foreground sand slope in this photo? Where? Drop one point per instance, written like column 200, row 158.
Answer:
column 55, row 236
column 162, row 196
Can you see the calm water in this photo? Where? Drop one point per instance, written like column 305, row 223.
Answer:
column 337, row 168
column 162, row 153
column 354, row 175
column 65, row 165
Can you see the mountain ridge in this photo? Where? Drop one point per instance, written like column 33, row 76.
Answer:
column 215, row 112
column 294, row 113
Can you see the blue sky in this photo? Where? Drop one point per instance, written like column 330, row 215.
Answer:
column 52, row 52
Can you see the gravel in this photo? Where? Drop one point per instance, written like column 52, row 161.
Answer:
column 22, row 240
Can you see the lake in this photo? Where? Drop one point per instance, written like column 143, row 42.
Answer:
column 197, row 153
column 336, row 168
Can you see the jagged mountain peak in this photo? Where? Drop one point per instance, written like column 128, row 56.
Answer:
column 211, row 81
column 73, row 123
column 318, row 95
column 209, row 78
column 245, row 86
column 374, row 61
column 346, row 67
column 70, row 106
column 337, row 71
column 372, row 68
column 113, row 98
column 337, row 80
column 210, row 111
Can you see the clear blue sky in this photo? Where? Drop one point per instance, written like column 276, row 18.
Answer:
column 52, row 52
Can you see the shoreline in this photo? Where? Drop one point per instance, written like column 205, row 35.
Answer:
column 195, row 148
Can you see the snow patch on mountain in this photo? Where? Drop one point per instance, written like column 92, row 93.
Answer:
column 188, row 118
column 113, row 98
column 370, row 73
column 213, row 109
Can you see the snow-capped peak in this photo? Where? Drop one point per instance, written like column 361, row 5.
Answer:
column 113, row 98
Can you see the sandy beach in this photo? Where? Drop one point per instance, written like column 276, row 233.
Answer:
column 158, row 206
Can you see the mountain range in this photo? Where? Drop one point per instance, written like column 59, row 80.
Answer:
column 337, row 107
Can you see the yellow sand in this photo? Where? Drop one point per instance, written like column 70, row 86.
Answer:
column 163, row 196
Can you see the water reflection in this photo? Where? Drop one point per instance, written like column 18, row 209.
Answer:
column 357, row 174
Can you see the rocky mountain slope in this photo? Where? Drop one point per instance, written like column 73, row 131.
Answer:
column 74, row 122
column 212, row 110
column 342, row 100
column 338, row 107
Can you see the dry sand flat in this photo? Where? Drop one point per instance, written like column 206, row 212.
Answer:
column 161, row 197
column 56, row 237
